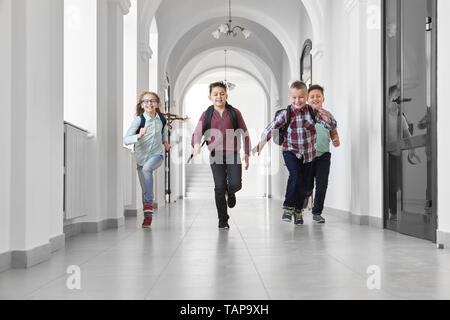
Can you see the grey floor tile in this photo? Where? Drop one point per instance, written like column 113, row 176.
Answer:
column 185, row 256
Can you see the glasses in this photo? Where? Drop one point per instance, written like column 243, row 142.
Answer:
column 150, row 101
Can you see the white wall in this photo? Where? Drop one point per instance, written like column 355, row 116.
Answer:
column 337, row 101
column 5, row 124
column 80, row 63
column 351, row 75
column 443, row 115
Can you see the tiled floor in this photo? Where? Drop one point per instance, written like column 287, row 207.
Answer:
column 185, row 256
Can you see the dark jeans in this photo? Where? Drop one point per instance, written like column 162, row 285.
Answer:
column 227, row 173
column 320, row 171
column 297, row 182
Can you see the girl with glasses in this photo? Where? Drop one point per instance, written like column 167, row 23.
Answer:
column 148, row 132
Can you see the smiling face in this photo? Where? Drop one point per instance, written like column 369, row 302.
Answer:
column 218, row 96
column 298, row 97
column 316, row 99
column 149, row 103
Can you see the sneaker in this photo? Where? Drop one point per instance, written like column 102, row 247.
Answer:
column 224, row 225
column 148, row 208
column 231, row 201
column 318, row 218
column 298, row 217
column 147, row 222
column 287, row 215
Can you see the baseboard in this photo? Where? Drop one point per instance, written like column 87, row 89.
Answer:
column 92, row 227
column 27, row 258
column 19, row 259
column 57, row 242
column 5, row 261
column 443, row 239
column 130, row 212
column 361, row 220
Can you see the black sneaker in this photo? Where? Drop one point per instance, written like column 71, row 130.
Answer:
column 318, row 218
column 231, row 201
column 298, row 217
column 224, row 225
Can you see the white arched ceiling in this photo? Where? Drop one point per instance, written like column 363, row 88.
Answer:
column 279, row 20
column 277, row 16
column 199, row 39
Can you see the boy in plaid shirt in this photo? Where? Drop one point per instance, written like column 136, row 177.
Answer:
column 299, row 146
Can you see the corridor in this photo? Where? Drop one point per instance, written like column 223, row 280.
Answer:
column 185, row 256
column 77, row 74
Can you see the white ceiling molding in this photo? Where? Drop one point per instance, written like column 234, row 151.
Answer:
column 316, row 16
column 124, row 5
column 318, row 51
column 145, row 51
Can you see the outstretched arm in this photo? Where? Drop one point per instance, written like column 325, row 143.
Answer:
column 197, row 136
column 325, row 118
column 267, row 133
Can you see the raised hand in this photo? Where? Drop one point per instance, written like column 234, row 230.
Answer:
column 142, row 133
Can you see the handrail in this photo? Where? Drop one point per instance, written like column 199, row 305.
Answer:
column 90, row 135
column 76, row 127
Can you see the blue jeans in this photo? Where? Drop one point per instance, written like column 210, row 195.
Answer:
column 145, row 174
column 298, row 181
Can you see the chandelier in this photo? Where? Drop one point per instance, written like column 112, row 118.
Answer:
column 230, row 86
column 228, row 29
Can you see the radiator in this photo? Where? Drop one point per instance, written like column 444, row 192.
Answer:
column 75, row 176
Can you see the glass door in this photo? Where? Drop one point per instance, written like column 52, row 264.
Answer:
column 410, row 179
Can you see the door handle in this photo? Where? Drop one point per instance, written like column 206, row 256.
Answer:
column 399, row 100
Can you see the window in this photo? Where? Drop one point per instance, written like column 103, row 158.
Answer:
column 306, row 63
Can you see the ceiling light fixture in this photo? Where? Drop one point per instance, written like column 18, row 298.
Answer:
column 228, row 29
column 230, row 86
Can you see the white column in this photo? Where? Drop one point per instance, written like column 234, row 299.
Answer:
column 37, row 134
column 5, row 126
column 111, row 155
column 356, row 79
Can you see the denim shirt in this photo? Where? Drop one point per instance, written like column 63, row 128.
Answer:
column 152, row 143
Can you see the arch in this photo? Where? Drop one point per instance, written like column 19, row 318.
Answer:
column 217, row 69
column 266, row 113
column 264, row 20
column 315, row 11
column 238, row 49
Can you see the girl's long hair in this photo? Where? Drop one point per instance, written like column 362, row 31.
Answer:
column 139, row 110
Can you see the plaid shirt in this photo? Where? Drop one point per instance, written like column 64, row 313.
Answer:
column 301, row 135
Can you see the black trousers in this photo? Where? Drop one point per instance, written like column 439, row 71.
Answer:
column 227, row 173
column 320, row 172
